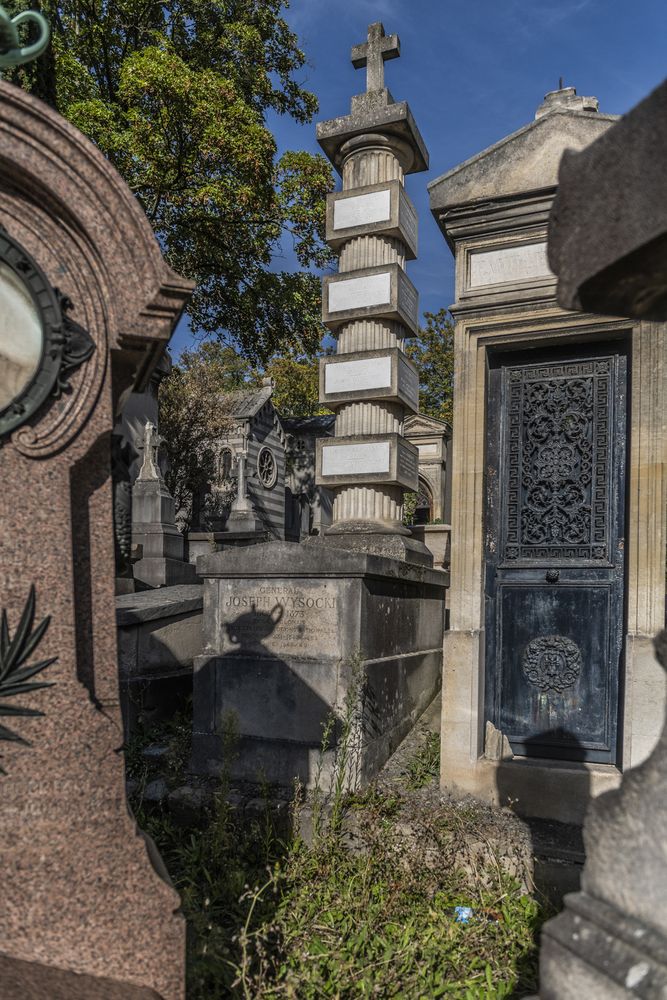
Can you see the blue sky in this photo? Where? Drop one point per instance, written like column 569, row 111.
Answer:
column 472, row 73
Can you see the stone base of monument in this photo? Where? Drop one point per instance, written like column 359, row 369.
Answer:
column 594, row 950
column 34, row 981
column 203, row 543
column 292, row 631
column 365, row 536
column 162, row 562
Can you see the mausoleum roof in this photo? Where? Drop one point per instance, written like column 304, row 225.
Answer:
column 245, row 403
column 322, row 422
column 528, row 159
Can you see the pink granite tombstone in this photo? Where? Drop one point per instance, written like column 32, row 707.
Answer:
column 85, row 911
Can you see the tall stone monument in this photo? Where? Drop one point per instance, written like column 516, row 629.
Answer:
column 86, row 306
column 371, row 306
column 154, row 530
column 558, row 533
column 292, row 631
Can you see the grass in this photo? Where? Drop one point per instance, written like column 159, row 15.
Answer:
column 271, row 917
column 424, row 765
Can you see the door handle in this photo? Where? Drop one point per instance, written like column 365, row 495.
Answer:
column 553, row 575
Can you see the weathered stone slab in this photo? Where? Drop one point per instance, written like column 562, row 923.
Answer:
column 283, row 626
column 508, row 265
column 608, row 226
column 383, row 292
column 384, row 374
column 382, row 209
column 367, row 459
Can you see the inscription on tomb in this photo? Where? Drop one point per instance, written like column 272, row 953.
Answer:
column 407, row 466
column 366, row 373
column 408, row 382
column 348, row 459
column 362, row 209
column 359, row 293
column 278, row 618
column 508, row 264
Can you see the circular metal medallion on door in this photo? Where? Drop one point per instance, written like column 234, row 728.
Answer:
column 551, row 662
column 39, row 344
column 267, row 469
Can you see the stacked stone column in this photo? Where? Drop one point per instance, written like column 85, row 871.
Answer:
column 371, row 306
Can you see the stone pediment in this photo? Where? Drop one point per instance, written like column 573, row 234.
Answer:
column 419, row 423
column 526, row 160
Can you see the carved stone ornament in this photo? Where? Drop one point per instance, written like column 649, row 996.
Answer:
column 40, row 345
column 551, row 663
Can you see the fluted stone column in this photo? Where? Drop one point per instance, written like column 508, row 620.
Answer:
column 371, row 306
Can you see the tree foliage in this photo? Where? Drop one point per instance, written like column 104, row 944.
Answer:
column 176, row 95
column 195, row 407
column 194, row 411
column 433, row 353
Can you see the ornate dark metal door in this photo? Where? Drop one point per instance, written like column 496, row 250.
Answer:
column 554, row 551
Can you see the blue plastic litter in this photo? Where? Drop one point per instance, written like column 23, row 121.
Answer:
column 463, row 914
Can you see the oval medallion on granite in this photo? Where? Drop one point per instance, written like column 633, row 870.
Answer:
column 551, row 662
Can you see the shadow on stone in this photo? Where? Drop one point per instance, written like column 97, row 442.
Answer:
column 275, row 718
column 558, row 847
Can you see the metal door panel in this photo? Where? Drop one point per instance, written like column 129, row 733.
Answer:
column 554, row 551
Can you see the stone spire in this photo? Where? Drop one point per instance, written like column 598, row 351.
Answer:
column 371, row 306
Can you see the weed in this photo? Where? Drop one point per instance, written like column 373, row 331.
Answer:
column 424, row 765
column 276, row 920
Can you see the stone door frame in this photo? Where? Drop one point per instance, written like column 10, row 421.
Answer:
column 557, row 789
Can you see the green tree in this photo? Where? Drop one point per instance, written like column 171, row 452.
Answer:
column 297, row 384
column 433, row 354
column 176, row 95
column 194, row 411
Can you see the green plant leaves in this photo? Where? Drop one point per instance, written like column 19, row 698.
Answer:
column 15, row 679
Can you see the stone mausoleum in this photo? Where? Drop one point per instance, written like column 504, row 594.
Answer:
column 551, row 688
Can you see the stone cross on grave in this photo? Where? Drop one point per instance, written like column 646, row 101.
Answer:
column 373, row 53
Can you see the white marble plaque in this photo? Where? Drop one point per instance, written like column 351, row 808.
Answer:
column 21, row 336
column 362, row 210
column 357, row 293
column 427, row 450
column 349, row 376
column 509, row 264
column 355, row 459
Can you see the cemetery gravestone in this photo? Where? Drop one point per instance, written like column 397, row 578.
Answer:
column 87, row 295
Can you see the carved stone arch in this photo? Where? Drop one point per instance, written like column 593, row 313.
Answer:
column 424, row 508
column 67, row 206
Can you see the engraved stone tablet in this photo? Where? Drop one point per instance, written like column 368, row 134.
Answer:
column 382, row 209
column 355, row 459
column 387, row 459
column 360, row 293
column 21, row 336
column 508, row 265
column 367, row 373
column 362, row 210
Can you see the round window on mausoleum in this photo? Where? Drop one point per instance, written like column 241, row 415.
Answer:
column 267, row 469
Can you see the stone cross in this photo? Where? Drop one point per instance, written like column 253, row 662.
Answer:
column 373, row 53
column 242, row 502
